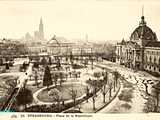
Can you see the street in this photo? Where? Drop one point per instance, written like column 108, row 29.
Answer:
column 133, row 85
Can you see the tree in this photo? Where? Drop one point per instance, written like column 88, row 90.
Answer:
column 94, row 101
column 62, row 76
column 94, row 87
column 92, row 60
column 97, row 75
column 71, row 57
column 43, row 61
column 105, row 79
column 74, row 95
column 55, row 78
column 104, row 89
column 116, row 76
column 24, row 97
column 24, row 66
column 7, row 66
column 87, row 92
column 50, row 60
column 56, row 95
column 110, row 90
column 36, row 78
column 104, row 92
column 47, row 80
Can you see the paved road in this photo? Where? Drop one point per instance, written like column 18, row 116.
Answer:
column 136, row 86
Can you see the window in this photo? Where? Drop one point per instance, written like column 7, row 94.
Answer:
column 150, row 59
column 146, row 59
column 154, row 59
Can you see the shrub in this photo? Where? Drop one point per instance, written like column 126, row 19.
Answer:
column 3, row 70
column 76, row 66
column 126, row 105
column 149, row 105
column 126, row 95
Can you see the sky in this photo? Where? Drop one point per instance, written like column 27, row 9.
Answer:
column 102, row 20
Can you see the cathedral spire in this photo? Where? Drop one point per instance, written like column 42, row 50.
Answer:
column 41, row 32
column 41, row 22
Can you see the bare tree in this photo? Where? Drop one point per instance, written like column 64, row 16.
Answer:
column 104, row 92
column 105, row 78
column 55, row 78
column 36, row 78
column 97, row 75
column 116, row 76
column 110, row 90
column 74, row 95
column 56, row 96
column 87, row 92
column 62, row 76
column 94, row 87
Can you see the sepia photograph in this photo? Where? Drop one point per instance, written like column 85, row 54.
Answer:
column 82, row 57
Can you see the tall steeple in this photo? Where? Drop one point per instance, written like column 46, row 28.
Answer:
column 41, row 32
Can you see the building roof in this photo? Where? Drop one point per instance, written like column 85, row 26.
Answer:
column 123, row 42
column 132, row 44
column 153, row 44
column 143, row 32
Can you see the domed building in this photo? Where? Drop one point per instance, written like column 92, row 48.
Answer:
column 141, row 51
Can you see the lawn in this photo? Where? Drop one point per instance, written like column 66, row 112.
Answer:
column 65, row 91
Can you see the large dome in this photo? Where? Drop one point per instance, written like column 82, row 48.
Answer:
column 143, row 32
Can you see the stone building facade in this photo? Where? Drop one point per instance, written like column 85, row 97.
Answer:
column 141, row 51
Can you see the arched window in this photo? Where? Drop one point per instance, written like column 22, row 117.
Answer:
column 150, row 59
column 155, row 60
column 146, row 59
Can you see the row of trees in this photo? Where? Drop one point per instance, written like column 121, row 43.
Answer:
column 47, row 78
column 104, row 85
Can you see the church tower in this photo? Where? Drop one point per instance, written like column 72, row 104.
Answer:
column 41, row 32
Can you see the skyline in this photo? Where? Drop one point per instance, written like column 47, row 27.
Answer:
column 101, row 20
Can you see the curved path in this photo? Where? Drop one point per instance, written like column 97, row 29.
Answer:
column 37, row 101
